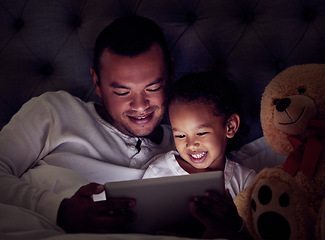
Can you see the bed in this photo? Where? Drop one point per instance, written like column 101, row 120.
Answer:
column 47, row 45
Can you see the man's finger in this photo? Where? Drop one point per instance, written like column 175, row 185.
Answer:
column 115, row 220
column 117, row 203
column 90, row 189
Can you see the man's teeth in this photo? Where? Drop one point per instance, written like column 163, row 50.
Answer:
column 139, row 118
column 199, row 155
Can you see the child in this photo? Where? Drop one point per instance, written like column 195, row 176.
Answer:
column 203, row 113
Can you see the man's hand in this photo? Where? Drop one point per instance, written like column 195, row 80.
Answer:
column 81, row 214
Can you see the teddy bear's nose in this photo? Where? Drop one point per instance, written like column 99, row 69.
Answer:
column 283, row 104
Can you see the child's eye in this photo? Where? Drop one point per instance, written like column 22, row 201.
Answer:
column 179, row 136
column 201, row 133
column 121, row 93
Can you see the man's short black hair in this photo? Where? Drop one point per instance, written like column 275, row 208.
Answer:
column 130, row 36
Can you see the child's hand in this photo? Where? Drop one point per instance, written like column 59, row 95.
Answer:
column 218, row 214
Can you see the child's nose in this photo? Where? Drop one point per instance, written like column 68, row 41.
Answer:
column 192, row 144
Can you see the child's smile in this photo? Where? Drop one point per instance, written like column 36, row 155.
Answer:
column 198, row 157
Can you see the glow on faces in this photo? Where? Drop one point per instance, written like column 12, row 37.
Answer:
column 200, row 136
column 132, row 90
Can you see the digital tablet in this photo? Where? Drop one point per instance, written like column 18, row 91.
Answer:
column 164, row 202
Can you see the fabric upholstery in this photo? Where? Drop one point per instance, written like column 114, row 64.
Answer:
column 47, row 45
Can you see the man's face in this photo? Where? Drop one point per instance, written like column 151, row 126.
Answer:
column 132, row 90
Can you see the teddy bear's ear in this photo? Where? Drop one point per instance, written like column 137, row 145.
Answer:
column 301, row 81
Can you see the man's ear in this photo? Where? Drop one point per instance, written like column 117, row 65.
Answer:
column 232, row 125
column 96, row 82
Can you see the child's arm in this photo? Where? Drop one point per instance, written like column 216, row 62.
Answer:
column 219, row 216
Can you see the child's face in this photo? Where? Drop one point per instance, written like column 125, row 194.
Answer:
column 200, row 136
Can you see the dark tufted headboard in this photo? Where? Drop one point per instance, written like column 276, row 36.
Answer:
column 46, row 45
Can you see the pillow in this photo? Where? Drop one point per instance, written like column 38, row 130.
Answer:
column 257, row 155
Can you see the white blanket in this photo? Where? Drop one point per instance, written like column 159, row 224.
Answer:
column 19, row 223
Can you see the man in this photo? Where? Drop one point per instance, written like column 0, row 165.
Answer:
column 131, row 73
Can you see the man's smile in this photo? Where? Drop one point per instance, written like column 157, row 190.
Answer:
column 143, row 119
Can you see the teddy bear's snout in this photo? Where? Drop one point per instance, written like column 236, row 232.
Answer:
column 293, row 113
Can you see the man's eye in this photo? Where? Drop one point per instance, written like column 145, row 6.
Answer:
column 179, row 136
column 154, row 89
column 121, row 93
column 201, row 133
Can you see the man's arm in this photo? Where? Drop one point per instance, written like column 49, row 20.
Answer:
column 22, row 144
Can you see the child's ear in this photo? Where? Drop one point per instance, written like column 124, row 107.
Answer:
column 232, row 125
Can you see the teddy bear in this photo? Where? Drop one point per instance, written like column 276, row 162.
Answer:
column 288, row 201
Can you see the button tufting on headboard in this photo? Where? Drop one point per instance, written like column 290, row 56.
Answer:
column 248, row 17
column 76, row 21
column 309, row 14
column 19, row 23
column 46, row 70
column 191, row 17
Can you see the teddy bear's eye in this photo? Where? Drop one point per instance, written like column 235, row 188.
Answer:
column 301, row 90
column 275, row 101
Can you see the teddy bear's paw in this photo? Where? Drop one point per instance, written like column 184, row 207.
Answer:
column 273, row 211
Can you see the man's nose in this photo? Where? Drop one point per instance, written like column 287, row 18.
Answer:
column 139, row 102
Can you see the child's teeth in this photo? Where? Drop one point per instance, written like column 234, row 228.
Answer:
column 198, row 155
